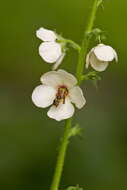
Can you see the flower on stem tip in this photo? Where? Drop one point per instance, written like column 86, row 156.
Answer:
column 58, row 89
column 100, row 56
column 50, row 50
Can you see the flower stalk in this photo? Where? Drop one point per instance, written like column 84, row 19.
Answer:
column 61, row 156
column 60, row 89
column 85, row 41
column 73, row 44
column 79, row 73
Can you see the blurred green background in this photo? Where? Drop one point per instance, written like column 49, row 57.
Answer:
column 28, row 139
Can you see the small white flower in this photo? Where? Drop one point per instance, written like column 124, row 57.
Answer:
column 100, row 56
column 58, row 89
column 50, row 50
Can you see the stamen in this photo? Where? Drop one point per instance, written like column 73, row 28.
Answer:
column 61, row 95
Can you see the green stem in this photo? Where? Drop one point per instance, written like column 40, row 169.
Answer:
column 73, row 44
column 70, row 42
column 61, row 156
column 79, row 72
column 85, row 41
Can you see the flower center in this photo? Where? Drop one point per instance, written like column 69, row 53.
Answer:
column 61, row 95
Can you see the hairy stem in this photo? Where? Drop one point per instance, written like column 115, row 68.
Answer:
column 85, row 41
column 61, row 156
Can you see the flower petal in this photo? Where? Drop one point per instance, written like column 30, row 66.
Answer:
column 115, row 56
column 69, row 80
column 43, row 96
column 97, row 64
column 50, row 51
column 46, row 35
column 58, row 62
column 77, row 97
column 105, row 53
column 62, row 111
column 88, row 58
column 59, row 78
column 51, row 78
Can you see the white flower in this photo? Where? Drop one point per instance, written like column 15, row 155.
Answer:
column 50, row 50
column 100, row 56
column 58, row 89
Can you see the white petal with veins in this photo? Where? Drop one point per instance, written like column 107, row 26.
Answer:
column 105, row 53
column 46, row 35
column 69, row 80
column 43, row 96
column 87, row 60
column 77, row 97
column 58, row 62
column 50, row 51
column 52, row 78
column 62, row 111
column 97, row 64
column 59, row 78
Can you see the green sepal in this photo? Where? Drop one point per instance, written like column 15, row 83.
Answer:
column 99, row 3
column 74, row 188
column 74, row 131
column 92, row 75
column 97, row 34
